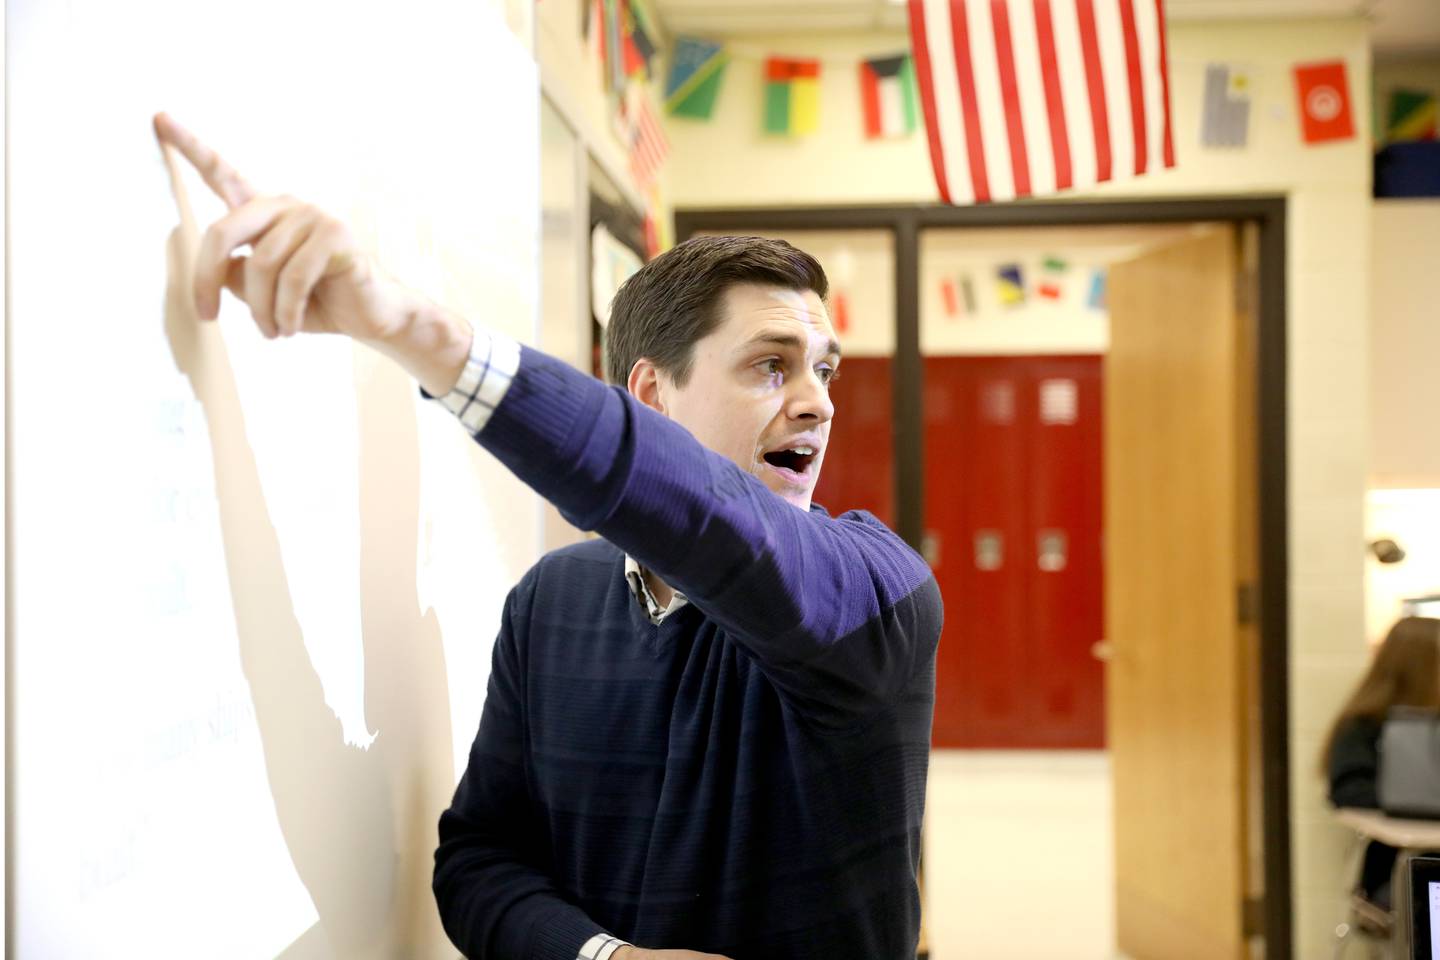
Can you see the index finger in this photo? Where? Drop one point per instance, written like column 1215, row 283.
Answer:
column 218, row 175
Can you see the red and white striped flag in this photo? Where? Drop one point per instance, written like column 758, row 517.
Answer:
column 648, row 146
column 1031, row 97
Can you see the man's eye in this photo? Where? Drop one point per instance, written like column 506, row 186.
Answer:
column 828, row 375
column 772, row 367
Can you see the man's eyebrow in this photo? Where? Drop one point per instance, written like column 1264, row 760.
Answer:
column 791, row 340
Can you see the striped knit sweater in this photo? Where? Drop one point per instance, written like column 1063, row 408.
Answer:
column 747, row 777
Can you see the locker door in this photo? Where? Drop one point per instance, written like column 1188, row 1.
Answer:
column 975, row 509
column 859, row 468
column 1065, row 683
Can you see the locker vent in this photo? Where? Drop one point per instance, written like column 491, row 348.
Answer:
column 1058, row 401
column 997, row 402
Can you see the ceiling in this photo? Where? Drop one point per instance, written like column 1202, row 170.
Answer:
column 1401, row 27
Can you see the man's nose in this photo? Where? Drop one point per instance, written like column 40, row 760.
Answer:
column 810, row 399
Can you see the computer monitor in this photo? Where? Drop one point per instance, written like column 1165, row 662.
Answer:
column 1425, row 908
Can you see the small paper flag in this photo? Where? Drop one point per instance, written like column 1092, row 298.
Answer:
column 841, row 304
column 1225, row 121
column 967, row 294
column 792, row 96
column 958, row 295
column 1096, row 300
column 639, row 49
column 1010, row 285
column 1324, row 95
column 695, row 71
column 648, row 145
column 614, row 62
column 1412, row 116
column 1052, row 273
column 887, row 96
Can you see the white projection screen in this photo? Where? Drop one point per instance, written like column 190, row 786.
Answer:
column 255, row 584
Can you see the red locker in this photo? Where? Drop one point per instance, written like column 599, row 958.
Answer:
column 1012, row 507
column 859, row 468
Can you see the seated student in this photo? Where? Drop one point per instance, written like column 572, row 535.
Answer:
column 1405, row 672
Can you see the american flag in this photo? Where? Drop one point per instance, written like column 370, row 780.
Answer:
column 648, row 146
column 1031, row 97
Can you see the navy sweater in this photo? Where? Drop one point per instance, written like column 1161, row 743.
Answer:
column 748, row 777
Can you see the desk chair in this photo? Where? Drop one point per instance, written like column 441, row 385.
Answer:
column 1371, row 923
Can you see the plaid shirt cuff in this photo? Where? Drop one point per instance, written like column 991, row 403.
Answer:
column 494, row 360
column 600, row 947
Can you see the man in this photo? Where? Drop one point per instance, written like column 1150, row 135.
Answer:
column 709, row 730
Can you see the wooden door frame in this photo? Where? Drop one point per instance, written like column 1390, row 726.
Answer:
column 1268, row 212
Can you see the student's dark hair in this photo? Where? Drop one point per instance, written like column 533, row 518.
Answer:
column 1404, row 672
column 674, row 301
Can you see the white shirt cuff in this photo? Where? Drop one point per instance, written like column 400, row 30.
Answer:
column 493, row 362
column 600, row 947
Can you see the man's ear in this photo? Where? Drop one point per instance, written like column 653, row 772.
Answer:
column 645, row 385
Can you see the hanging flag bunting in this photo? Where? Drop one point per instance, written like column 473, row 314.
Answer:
column 967, row 294
column 1052, row 273
column 840, row 304
column 614, row 62
column 1096, row 300
column 639, row 49
column 958, row 294
column 950, row 298
column 648, row 146
column 696, row 67
column 1010, row 285
column 792, row 96
column 1412, row 116
column 1031, row 97
column 1225, row 120
column 1324, row 97
column 887, row 94
column 641, row 26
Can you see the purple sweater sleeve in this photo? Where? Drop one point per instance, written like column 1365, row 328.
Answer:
column 839, row 611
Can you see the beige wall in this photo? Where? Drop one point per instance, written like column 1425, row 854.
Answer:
column 1404, row 344
column 1404, row 502
column 1412, row 519
column 728, row 162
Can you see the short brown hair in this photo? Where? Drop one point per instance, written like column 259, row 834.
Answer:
column 673, row 301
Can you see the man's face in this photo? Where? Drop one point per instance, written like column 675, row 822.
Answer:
column 758, row 390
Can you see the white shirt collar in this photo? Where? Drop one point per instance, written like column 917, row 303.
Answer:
column 635, row 577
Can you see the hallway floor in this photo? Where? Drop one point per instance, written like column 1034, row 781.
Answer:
column 1018, row 856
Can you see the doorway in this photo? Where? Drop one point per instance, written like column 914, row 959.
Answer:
column 911, row 373
column 1012, row 532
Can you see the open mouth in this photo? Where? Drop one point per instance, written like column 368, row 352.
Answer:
column 795, row 459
